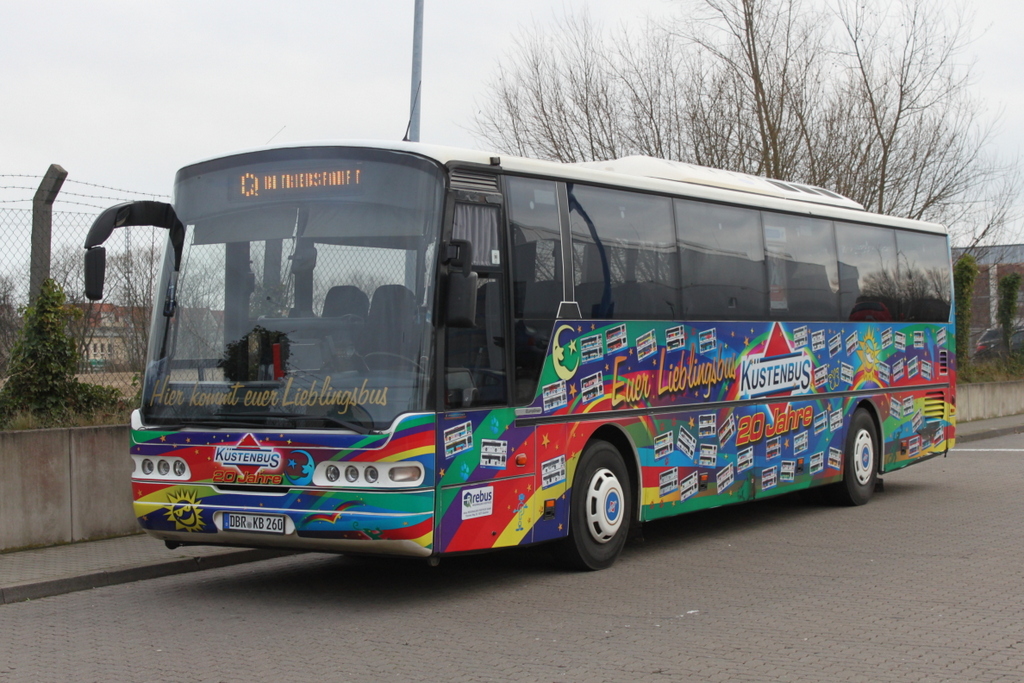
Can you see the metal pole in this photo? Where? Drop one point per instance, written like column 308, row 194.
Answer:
column 417, row 73
column 42, row 228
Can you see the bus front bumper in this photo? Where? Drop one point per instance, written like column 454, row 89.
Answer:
column 364, row 522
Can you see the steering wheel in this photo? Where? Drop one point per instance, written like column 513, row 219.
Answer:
column 391, row 356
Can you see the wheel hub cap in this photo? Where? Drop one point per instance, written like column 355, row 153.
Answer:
column 604, row 505
column 863, row 457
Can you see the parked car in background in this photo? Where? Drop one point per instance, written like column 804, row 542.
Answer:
column 991, row 343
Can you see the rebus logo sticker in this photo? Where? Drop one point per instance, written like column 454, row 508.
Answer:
column 477, row 502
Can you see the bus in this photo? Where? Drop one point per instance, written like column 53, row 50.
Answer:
column 406, row 349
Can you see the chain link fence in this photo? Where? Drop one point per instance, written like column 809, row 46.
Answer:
column 110, row 334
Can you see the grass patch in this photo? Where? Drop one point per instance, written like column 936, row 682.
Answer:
column 995, row 370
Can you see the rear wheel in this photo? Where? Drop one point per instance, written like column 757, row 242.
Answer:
column 860, row 462
column 599, row 509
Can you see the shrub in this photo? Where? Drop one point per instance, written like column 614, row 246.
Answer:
column 42, row 382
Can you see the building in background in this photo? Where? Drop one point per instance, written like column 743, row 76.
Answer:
column 994, row 262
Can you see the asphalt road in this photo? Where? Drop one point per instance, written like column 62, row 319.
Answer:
column 926, row 583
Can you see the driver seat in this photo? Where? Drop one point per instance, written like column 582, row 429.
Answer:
column 345, row 300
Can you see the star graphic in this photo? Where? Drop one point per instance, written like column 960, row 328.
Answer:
column 785, row 442
column 544, row 440
column 442, row 473
column 188, row 440
column 631, row 350
column 746, row 341
column 572, row 345
column 559, row 527
column 691, row 422
column 163, row 438
column 572, row 390
column 579, row 328
column 606, row 367
column 591, row 327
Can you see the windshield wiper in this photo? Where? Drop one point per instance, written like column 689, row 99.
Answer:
column 337, row 422
column 275, row 422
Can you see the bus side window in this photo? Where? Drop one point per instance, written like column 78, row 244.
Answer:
column 924, row 277
column 536, row 276
column 803, row 278
column 624, row 251
column 722, row 257
column 868, row 277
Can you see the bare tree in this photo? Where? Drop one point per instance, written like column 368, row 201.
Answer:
column 132, row 279
column 870, row 99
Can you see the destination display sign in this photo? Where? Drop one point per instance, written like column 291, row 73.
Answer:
column 265, row 184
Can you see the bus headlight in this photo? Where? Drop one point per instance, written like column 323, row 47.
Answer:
column 351, row 474
column 147, row 466
column 371, row 474
column 179, row 468
column 332, row 473
column 163, row 467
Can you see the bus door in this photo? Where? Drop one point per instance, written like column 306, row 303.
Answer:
column 485, row 462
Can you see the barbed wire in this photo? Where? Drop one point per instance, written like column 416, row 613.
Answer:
column 67, row 193
column 59, row 201
column 115, row 189
column 77, row 182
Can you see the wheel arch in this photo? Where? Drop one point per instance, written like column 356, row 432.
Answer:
column 623, row 443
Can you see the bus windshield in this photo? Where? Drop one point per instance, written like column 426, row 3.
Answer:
column 305, row 292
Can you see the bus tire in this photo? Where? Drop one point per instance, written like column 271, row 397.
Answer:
column 860, row 462
column 600, row 506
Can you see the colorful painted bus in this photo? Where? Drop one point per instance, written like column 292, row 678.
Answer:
column 397, row 348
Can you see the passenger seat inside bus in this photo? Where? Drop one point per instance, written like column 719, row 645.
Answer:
column 391, row 323
column 351, row 304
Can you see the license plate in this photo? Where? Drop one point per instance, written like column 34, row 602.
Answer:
column 263, row 524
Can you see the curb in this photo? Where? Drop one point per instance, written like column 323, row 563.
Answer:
column 989, row 434
column 32, row 590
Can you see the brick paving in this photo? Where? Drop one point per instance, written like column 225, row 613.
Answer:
column 923, row 584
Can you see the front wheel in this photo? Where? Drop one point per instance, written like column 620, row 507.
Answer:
column 599, row 510
column 860, row 462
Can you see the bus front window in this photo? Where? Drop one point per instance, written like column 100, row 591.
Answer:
column 305, row 292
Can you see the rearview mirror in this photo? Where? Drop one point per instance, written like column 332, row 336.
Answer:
column 95, row 272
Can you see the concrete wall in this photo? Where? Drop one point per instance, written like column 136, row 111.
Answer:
column 61, row 485
column 989, row 399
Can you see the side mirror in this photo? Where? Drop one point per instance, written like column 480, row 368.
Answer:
column 461, row 310
column 157, row 214
column 95, row 272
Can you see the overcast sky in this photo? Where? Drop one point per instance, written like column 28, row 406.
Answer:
column 122, row 93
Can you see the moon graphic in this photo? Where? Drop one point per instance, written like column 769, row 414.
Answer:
column 558, row 355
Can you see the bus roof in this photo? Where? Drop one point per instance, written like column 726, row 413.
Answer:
column 653, row 175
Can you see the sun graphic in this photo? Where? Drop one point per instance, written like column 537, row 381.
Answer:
column 183, row 509
column 867, row 351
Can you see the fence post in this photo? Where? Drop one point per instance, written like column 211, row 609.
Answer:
column 42, row 228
